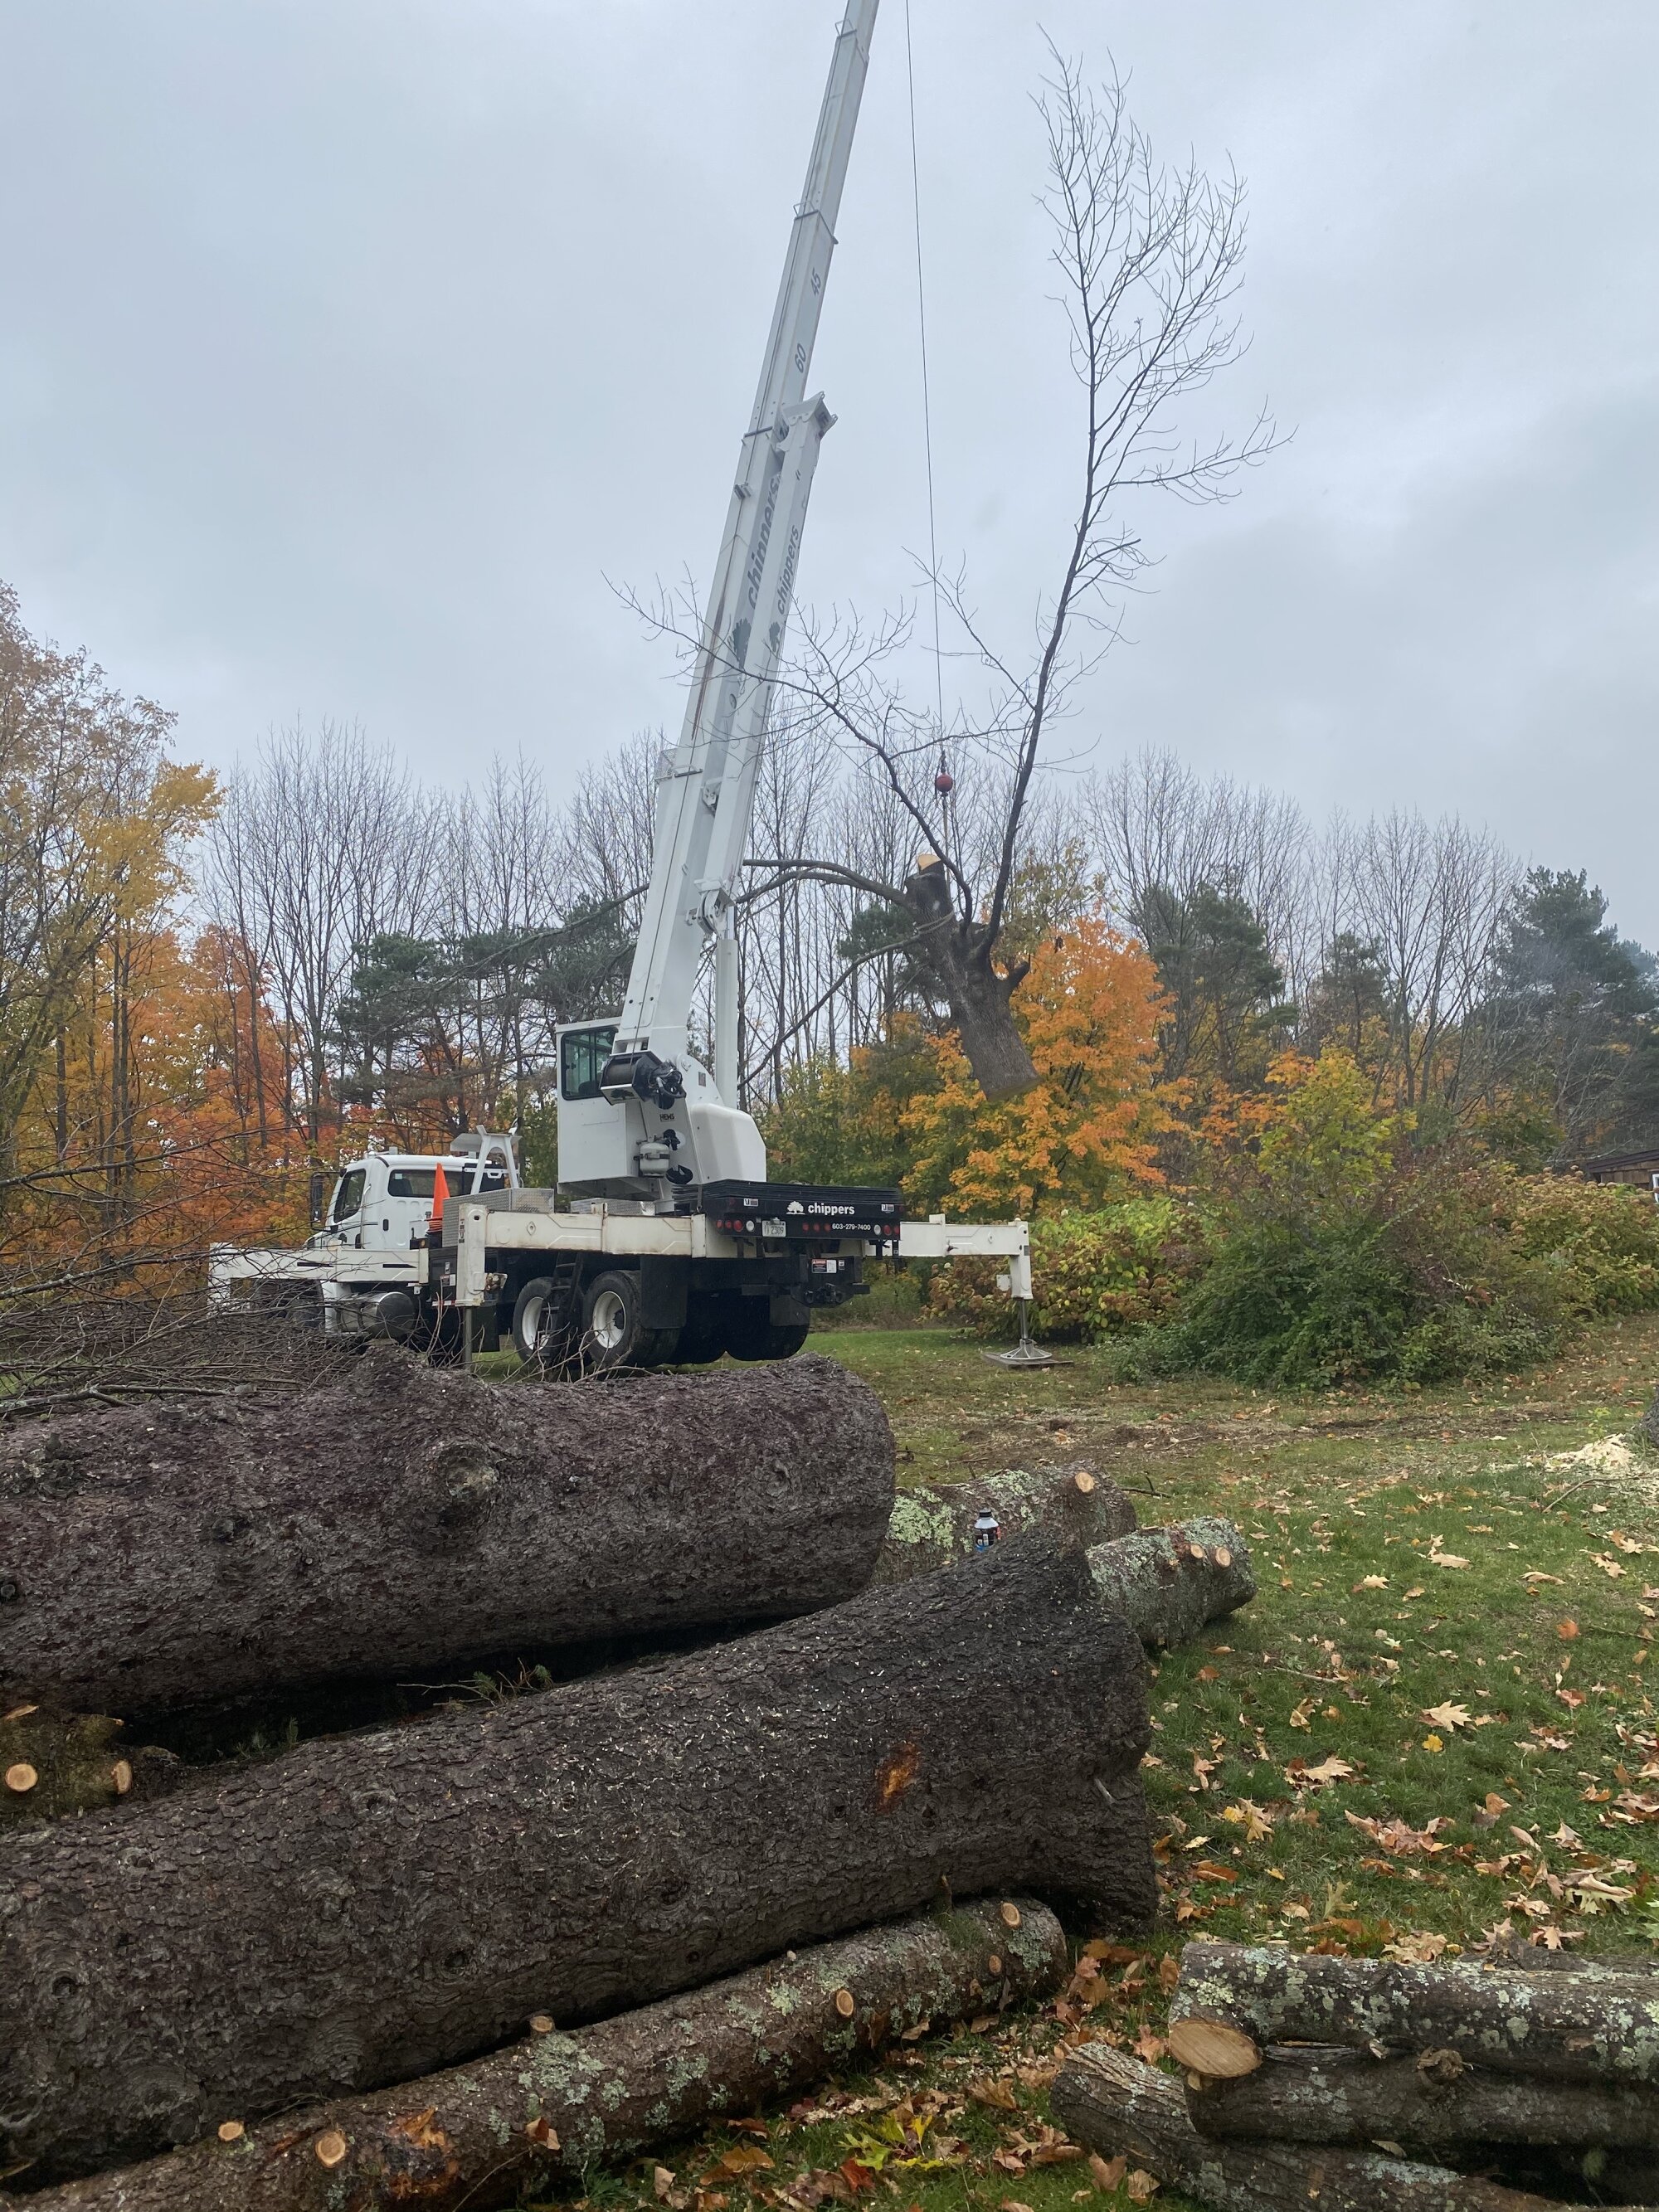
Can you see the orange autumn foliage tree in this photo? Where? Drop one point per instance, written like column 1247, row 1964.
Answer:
column 1087, row 1133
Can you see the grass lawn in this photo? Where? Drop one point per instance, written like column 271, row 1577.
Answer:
column 1433, row 1722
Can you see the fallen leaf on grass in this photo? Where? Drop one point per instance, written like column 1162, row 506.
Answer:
column 998, row 2095
column 1328, row 1769
column 1108, row 2172
column 1304, row 1712
column 1448, row 1716
column 1431, row 1743
column 1609, row 1567
column 1370, row 1582
column 1257, row 1825
column 1421, row 1949
column 741, row 2158
column 1447, row 1559
column 1537, row 1575
column 1140, row 2188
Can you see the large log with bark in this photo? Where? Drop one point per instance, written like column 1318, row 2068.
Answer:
column 1587, row 2027
column 1117, row 2106
column 937, row 1525
column 546, row 2107
column 365, row 1910
column 158, row 1556
column 1430, row 2101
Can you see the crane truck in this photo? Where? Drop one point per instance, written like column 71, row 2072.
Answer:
column 664, row 1240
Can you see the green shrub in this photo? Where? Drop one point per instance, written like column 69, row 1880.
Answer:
column 1602, row 1238
column 1092, row 1274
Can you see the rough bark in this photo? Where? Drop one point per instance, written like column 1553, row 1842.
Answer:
column 544, row 2108
column 1432, row 2101
column 1169, row 1583
column 365, row 1910
column 164, row 1555
column 933, row 1527
column 1589, row 2025
column 50, row 1766
column 1116, row 2105
column 954, row 957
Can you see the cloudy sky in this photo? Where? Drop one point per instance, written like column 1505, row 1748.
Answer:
column 346, row 347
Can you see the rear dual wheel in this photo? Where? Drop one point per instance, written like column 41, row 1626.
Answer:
column 613, row 1333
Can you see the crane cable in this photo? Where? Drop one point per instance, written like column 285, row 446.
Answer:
column 926, row 408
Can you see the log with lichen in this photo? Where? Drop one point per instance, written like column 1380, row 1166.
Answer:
column 1587, row 2027
column 937, row 1525
column 1119, row 2107
column 1169, row 1583
column 547, row 2107
column 367, row 1909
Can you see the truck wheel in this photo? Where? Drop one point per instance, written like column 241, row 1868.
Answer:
column 751, row 1333
column 612, row 1333
column 530, row 1338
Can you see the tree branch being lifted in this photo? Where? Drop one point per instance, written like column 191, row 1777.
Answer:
column 547, row 2108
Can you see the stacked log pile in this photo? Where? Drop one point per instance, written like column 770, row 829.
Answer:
column 878, row 1722
column 1374, row 2086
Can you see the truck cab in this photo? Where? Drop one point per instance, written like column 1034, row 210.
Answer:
column 383, row 1202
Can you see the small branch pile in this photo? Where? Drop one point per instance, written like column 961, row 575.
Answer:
column 1364, row 2086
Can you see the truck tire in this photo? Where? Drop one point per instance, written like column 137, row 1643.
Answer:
column 751, row 1334
column 530, row 1338
column 613, row 1333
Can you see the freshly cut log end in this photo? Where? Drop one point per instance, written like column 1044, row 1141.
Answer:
column 935, row 1527
column 1212, row 2048
column 1116, row 2104
column 384, row 1905
column 546, row 2109
column 1169, row 1583
column 53, row 1765
column 1586, row 2026
column 415, row 1519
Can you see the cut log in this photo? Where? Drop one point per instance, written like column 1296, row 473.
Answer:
column 1434, row 2101
column 365, row 1910
column 934, row 1526
column 606, row 2093
column 1169, row 1583
column 75, row 1764
column 1589, row 2026
column 417, row 1519
column 1117, row 2104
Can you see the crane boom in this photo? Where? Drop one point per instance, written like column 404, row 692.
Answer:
column 705, row 791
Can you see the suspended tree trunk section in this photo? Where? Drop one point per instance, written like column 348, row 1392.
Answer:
column 161, row 1556
column 544, row 2108
column 1119, row 2107
column 365, row 1910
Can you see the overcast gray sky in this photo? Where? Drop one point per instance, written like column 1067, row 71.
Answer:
column 347, row 346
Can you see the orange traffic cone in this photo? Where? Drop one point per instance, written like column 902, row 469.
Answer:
column 440, row 1193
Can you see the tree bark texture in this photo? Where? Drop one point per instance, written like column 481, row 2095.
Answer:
column 1432, row 2101
column 1116, row 2104
column 161, row 1556
column 955, row 957
column 546, row 2107
column 1586, row 2026
column 364, row 1909
column 934, row 1526
column 50, row 1766
column 1169, row 1583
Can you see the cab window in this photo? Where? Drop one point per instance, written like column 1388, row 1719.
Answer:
column 582, row 1053
column 349, row 1196
column 418, row 1183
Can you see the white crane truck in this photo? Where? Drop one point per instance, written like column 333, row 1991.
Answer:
column 664, row 1241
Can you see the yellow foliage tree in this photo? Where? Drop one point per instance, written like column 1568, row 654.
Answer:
column 1087, row 1133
